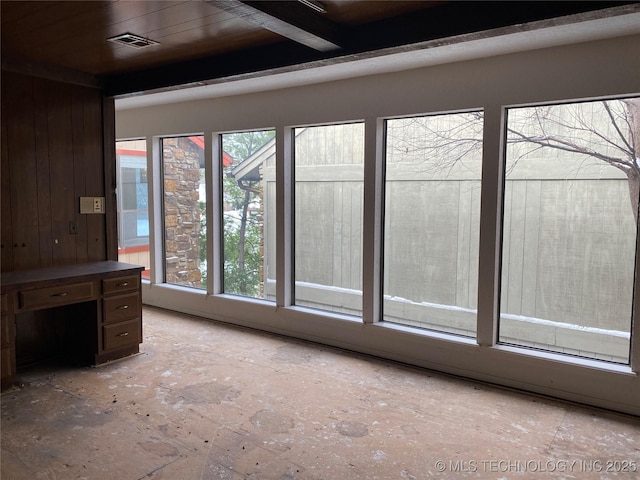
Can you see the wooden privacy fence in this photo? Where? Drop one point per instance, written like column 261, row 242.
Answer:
column 568, row 248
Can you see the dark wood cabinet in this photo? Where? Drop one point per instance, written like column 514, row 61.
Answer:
column 7, row 340
column 107, row 326
column 121, row 313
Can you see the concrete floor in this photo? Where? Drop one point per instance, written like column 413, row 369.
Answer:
column 209, row 401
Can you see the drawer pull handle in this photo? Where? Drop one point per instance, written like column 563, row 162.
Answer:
column 63, row 294
column 122, row 307
column 123, row 334
column 123, row 284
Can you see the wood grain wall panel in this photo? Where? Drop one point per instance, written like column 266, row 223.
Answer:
column 6, row 235
column 22, row 167
column 109, row 152
column 80, row 161
column 93, row 138
column 62, row 174
column 52, row 154
column 41, row 128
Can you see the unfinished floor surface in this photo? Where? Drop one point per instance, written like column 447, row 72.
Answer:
column 210, row 401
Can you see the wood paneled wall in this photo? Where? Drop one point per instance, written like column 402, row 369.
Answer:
column 53, row 153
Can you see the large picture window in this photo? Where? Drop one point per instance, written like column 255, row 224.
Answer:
column 329, row 174
column 133, row 203
column 248, row 209
column 184, row 203
column 431, row 221
column 569, row 235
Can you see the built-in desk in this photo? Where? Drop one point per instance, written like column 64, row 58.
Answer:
column 102, row 302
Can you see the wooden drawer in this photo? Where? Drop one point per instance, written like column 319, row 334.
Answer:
column 122, row 334
column 53, row 296
column 8, row 331
column 120, row 308
column 111, row 286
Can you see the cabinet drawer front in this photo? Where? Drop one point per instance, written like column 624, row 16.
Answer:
column 53, row 296
column 120, row 284
column 122, row 334
column 122, row 307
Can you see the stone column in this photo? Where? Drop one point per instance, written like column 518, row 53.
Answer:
column 181, row 163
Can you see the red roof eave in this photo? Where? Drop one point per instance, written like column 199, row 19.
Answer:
column 226, row 158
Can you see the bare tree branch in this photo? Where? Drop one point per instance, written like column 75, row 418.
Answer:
column 606, row 131
column 617, row 127
column 568, row 147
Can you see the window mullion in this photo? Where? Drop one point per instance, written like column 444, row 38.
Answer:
column 490, row 226
column 213, row 176
column 156, row 210
column 372, row 221
column 634, row 354
column 284, row 216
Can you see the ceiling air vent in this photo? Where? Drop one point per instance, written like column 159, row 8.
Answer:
column 131, row 40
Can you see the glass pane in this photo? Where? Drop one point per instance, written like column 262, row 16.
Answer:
column 132, row 201
column 432, row 221
column 329, row 172
column 570, row 211
column 184, row 203
column 248, row 193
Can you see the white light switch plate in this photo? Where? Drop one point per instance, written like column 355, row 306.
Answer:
column 91, row 204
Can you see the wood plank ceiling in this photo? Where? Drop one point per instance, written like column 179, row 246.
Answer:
column 202, row 40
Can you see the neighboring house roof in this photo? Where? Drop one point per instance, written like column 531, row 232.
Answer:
column 249, row 169
column 227, row 159
column 133, row 153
